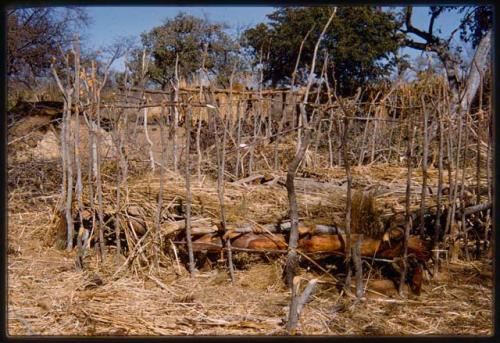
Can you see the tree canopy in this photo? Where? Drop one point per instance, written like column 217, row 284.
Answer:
column 189, row 38
column 361, row 43
column 35, row 35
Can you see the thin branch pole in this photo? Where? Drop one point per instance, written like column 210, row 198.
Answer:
column 344, row 143
column 298, row 302
column 220, row 152
column 188, row 192
column 176, row 113
column 291, row 264
column 67, row 186
column 489, row 169
column 409, row 156
column 97, row 99
column 91, row 172
column 198, row 131
column 221, row 200
column 391, row 134
column 148, row 140
column 156, row 235
column 79, row 186
column 318, row 132
column 437, row 224
column 256, row 121
column 122, row 174
column 454, row 229
column 480, row 119
column 348, row 202
column 238, row 139
column 292, row 85
column 69, row 165
column 462, row 189
column 358, row 266
column 119, row 177
column 69, row 159
column 374, row 140
column 424, row 167
column 293, row 316
column 365, row 131
column 63, row 143
column 450, row 161
column 144, row 68
column 330, row 121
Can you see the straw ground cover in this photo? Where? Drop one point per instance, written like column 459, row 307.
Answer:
column 47, row 296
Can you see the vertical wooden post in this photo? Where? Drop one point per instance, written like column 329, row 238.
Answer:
column 293, row 316
column 238, row 140
column 69, row 159
column 176, row 113
column 198, row 131
column 348, row 202
column 188, row 192
column 358, row 266
column 454, row 248
column 437, row 224
column 220, row 152
column 157, row 227
column 78, row 164
column 409, row 156
column 424, row 168
column 462, row 189
column 291, row 262
column 67, row 182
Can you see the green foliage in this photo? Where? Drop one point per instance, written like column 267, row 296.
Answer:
column 361, row 43
column 186, row 36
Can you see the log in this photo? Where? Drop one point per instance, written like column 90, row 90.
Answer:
column 477, row 208
column 329, row 244
column 249, row 179
column 310, row 185
column 260, row 242
column 332, row 243
column 200, row 226
column 208, row 242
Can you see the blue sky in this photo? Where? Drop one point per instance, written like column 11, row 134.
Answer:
column 110, row 23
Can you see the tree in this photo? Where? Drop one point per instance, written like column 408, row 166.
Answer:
column 35, row 35
column 476, row 26
column 186, row 36
column 361, row 43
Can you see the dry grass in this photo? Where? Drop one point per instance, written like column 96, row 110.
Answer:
column 47, row 296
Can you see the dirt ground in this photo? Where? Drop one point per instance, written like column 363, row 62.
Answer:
column 46, row 296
